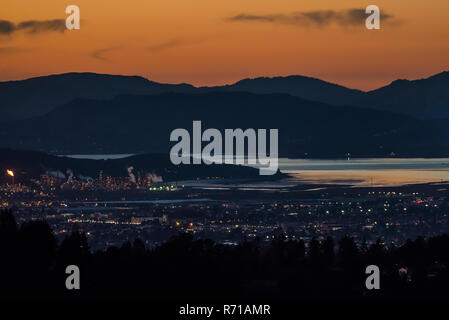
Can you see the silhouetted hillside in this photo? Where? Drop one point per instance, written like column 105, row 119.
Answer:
column 299, row 86
column 37, row 96
column 29, row 164
column 142, row 124
column 425, row 98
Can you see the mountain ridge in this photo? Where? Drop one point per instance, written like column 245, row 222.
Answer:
column 423, row 98
column 143, row 123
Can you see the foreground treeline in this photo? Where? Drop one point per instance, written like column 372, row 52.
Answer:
column 32, row 264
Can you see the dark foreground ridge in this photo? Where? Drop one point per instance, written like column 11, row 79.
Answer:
column 140, row 124
column 33, row 266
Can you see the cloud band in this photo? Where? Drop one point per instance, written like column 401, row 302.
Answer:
column 32, row 26
column 319, row 18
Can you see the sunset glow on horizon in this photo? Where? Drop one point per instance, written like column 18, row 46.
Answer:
column 220, row 42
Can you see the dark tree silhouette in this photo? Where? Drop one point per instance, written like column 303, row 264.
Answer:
column 33, row 266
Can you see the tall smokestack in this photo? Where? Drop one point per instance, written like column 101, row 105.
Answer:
column 70, row 174
column 131, row 175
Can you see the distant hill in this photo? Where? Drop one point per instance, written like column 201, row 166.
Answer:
column 37, row 96
column 142, row 124
column 299, row 86
column 29, row 164
column 425, row 98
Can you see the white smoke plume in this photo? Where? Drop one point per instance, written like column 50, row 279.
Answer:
column 56, row 174
column 84, row 178
column 70, row 174
column 131, row 175
column 154, row 178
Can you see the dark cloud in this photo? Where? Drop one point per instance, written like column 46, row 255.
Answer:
column 319, row 18
column 99, row 54
column 6, row 27
column 32, row 26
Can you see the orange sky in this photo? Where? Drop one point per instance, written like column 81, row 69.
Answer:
column 191, row 41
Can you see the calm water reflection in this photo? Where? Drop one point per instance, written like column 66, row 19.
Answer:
column 366, row 172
